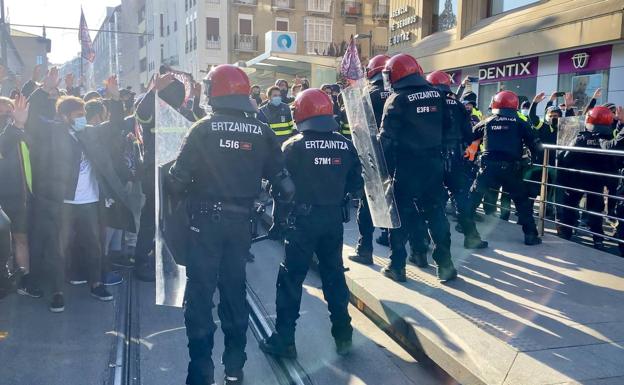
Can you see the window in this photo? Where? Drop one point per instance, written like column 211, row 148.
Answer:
column 162, row 52
column 162, row 25
column 319, row 5
column 500, row 6
column 281, row 24
column 212, row 28
column 524, row 88
column 582, row 85
column 318, row 34
column 186, row 5
column 143, row 65
column 141, row 41
column 245, row 24
column 444, row 15
column 39, row 59
column 175, row 26
column 141, row 14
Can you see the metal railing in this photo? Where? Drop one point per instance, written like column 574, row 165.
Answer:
column 381, row 11
column 351, row 8
column 252, row 3
column 213, row 43
column 247, row 43
column 283, row 4
column 547, row 187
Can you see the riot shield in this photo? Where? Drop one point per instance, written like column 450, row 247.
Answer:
column 171, row 218
column 377, row 182
column 568, row 128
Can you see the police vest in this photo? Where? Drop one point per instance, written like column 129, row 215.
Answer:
column 279, row 119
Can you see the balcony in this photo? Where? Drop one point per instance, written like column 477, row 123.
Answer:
column 245, row 3
column 324, row 48
column 381, row 11
column 319, row 6
column 214, row 42
column 283, row 5
column 351, row 9
column 213, row 1
column 246, row 43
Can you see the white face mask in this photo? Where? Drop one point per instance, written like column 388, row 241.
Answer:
column 525, row 112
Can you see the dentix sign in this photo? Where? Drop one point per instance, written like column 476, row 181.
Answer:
column 517, row 69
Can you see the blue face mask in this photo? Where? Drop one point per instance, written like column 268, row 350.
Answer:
column 276, row 100
column 79, row 124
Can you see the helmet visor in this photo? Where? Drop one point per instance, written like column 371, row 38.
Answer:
column 386, row 80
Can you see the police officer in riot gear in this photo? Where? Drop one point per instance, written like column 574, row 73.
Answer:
column 455, row 139
column 364, row 248
column 325, row 167
column 598, row 134
column 504, row 134
column 412, row 137
column 277, row 115
column 220, row 165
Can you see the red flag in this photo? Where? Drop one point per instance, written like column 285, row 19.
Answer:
column 85, row 39
column 351, row 67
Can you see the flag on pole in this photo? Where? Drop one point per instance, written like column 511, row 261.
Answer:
column 351, row 67
column 85, row 39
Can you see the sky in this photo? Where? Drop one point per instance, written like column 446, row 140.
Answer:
column 58, row 13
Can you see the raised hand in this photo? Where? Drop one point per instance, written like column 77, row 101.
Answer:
column 539, row 97
column 597, row 93
column 51, row 80
column 20, row 113
column 569, row 100
column 112, row 87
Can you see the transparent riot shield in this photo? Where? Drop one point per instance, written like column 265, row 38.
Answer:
column 171, row 218
column 568, row 128
column 377, row 182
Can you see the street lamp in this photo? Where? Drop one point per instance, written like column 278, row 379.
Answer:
column 368, row 36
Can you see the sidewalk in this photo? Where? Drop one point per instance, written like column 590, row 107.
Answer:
column 549, row 314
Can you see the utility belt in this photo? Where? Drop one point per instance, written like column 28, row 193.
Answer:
column 504, row 164
column 305, row 209
column 217, row 209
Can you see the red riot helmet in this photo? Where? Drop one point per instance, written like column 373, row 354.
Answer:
column 398, row 68
column 440, row 80
column 599, row 119
column 505, row 103
column 228, row 87
column 313, row 110
column 376, row 65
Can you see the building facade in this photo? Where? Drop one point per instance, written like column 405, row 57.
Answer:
column 526, row 46
column 32, row 49
column 195, row 35
column 107, row 46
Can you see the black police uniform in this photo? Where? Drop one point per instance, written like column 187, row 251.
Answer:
column 605, row 164
column 412, row 136
column 324, row 167
column 279, row 119
column 221, row 163
column 455, row 139
column 364, row 248
column 501, row 163
column 5, row 252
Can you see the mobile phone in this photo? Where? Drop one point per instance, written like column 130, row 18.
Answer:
column 473, row 79
column 559, row 94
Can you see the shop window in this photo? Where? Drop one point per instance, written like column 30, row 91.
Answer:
column 500, row 6
column 524, row 88
column 444, row 15
column 583, row 85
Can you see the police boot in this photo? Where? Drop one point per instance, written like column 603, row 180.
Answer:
column 532, row 239
column 446, row 272
column 276, row 346
column 598, row 242
column 474, row 242
column 564, row 232
column 364, row 259
column 233, row 379
column 397, row 275
column 419, row 259
column 343, row 347
column 382, row 239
